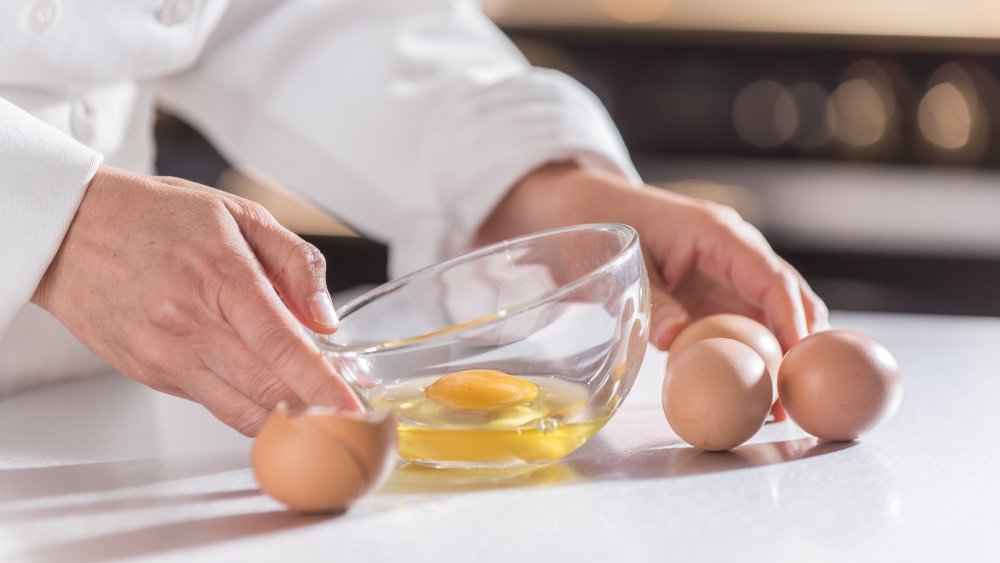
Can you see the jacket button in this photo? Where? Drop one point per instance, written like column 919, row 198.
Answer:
column 176, row 12
column 41, row 14
column 81, row 122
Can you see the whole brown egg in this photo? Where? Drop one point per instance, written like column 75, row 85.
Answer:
column 839, row 384
column 739, row 328
column 717, row 394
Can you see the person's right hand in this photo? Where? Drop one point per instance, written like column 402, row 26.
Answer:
column 173, row 283
column 702, row 258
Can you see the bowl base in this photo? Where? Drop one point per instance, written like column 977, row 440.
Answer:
column 471, row 466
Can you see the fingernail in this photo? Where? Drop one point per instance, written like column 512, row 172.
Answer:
column 322, row 311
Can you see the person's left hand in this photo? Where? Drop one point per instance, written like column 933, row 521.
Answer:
column 702, row 258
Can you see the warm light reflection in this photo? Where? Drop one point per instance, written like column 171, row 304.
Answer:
column 924, row 19
column 858, row 112
column 765, row 114
column 946, row 115
column 634, row 11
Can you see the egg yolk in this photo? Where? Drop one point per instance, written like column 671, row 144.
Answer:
column 481, row 390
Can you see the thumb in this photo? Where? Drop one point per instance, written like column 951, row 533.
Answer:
column 297, row 269
column 669, row 316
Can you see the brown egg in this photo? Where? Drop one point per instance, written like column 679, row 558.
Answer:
column 737, row 327
column 717, row 394
column 742, row 329
column 322, row 461
column 839, row 384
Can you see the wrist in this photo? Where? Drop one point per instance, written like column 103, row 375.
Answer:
column 75, row 236
column 555, row 195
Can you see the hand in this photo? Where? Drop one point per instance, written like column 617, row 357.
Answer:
column 173, row 283
column 702, row 257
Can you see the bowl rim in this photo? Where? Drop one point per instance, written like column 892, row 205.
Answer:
column 632, row 241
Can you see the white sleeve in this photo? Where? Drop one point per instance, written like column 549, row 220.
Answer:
column 44, row 174
column 409, row 118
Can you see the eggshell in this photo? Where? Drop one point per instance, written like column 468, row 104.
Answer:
column 717, row 394
column 739, row 328
column 371, row 440
column 323, row 461
column 839, row 384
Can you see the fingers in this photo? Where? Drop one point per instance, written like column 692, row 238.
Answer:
column 283, row 358
column 735, row 253
column 669, row 316
column 781, row 301
column 817, row 314
column 778, row 413
column 296, row 268
column 270, row 332
column 229, row 358
column 704, row 295
column 224, row 402
column 715, row 240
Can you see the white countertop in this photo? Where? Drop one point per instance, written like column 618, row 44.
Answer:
column 103, row 468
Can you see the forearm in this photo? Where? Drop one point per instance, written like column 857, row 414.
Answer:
column 568, row 193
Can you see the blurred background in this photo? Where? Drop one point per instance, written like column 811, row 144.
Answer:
column 863, row 138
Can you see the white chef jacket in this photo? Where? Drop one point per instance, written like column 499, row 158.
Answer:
column 409, row 118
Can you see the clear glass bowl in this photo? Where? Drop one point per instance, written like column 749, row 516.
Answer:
column 566, row 312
